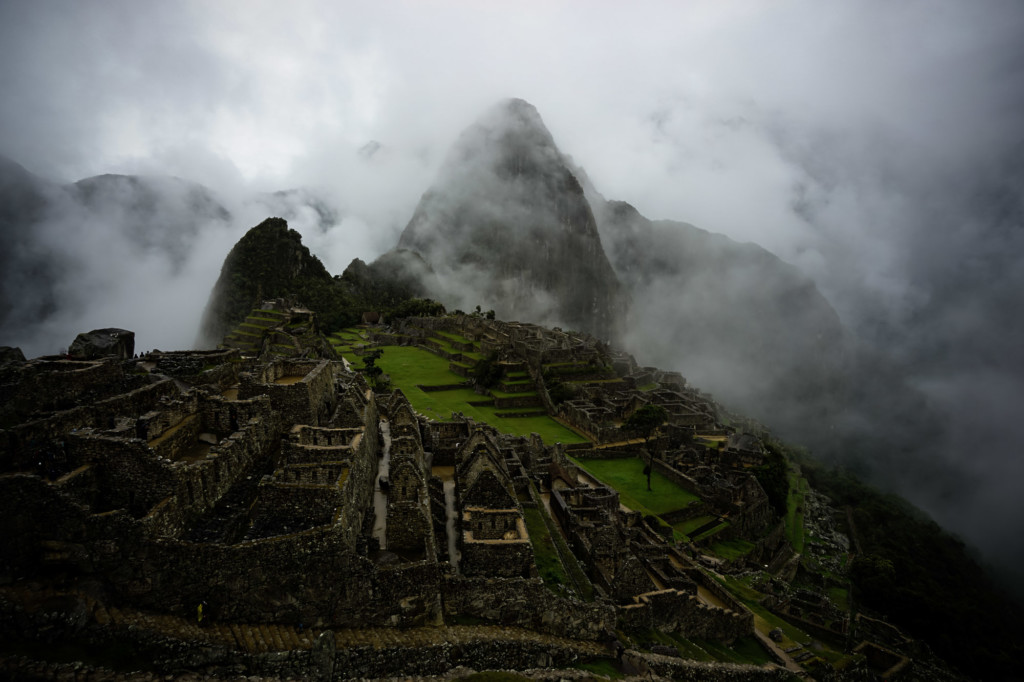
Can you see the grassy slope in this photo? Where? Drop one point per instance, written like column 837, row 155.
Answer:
column 410, row 367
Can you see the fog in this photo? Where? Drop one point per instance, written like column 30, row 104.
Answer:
column 876, row 146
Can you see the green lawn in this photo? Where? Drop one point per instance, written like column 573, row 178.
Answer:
column 411, row 367
column 627, row 476
column 731, row 549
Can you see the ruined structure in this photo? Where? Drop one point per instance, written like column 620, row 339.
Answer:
column 306, row 513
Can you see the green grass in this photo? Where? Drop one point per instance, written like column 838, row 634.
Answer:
column 731, row 549
column 549, row 566
column 411, row 367
column 627, row 476
column 453, row 337
column 494, row 676
column 840, row 597
column 690, row 525
column 748, row 650
column 522, row 394
column 605, row 667
column 712, row 531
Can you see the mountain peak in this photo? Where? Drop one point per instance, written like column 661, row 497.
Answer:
column 506, row 225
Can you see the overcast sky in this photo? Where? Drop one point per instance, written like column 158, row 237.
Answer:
column 865, row 142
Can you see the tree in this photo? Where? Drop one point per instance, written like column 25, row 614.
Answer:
column 646, row 421
column 370, row 368
column 488, row 372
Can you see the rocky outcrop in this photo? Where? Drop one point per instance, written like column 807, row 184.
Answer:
column 11, row 355
column 101, row 343
column 270, row 261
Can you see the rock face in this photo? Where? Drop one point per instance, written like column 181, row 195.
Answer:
column 101, row 343
column 506, row 226
column 270, row 261
column 9, row 355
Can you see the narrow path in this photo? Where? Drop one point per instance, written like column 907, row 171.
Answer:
column 380, row 497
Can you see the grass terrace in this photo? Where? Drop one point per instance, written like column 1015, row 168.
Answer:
column 410, row 368
column 731, row 549
column 627, row 476
column 344, row 343
column 690, row 525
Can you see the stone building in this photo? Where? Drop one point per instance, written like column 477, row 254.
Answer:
column 494, row 540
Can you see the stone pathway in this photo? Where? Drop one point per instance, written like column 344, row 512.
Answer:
column 265, row 637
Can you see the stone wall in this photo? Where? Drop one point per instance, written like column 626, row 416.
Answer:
column 674, row 611
column 677, row 477
column 308, row 401
column 128, row 474
column 495, row 543
column 699, row 671
column 526, row 603
column 297, row 505
column 222, row 417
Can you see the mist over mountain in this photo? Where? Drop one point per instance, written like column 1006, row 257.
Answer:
column 96, row 247
column 734, row 318
column 506, row 226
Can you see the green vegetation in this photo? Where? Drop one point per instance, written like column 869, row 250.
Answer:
column 687, row 527
column 745, row 650
column 605, row 667
column 626, row 476
column 646, row 421
column 731, row 549
column 773, row 477
column 411, row 367
column 487, row 373
column 549, row 566
column 372, row 372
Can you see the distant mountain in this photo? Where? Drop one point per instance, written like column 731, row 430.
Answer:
column 506, row 226
column 52, row 234
column 160, row 213
column 270, row 261
column 735, row 318
column 511, row 224
column 27, row 271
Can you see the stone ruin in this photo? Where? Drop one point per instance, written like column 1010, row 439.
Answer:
column 295, row 504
